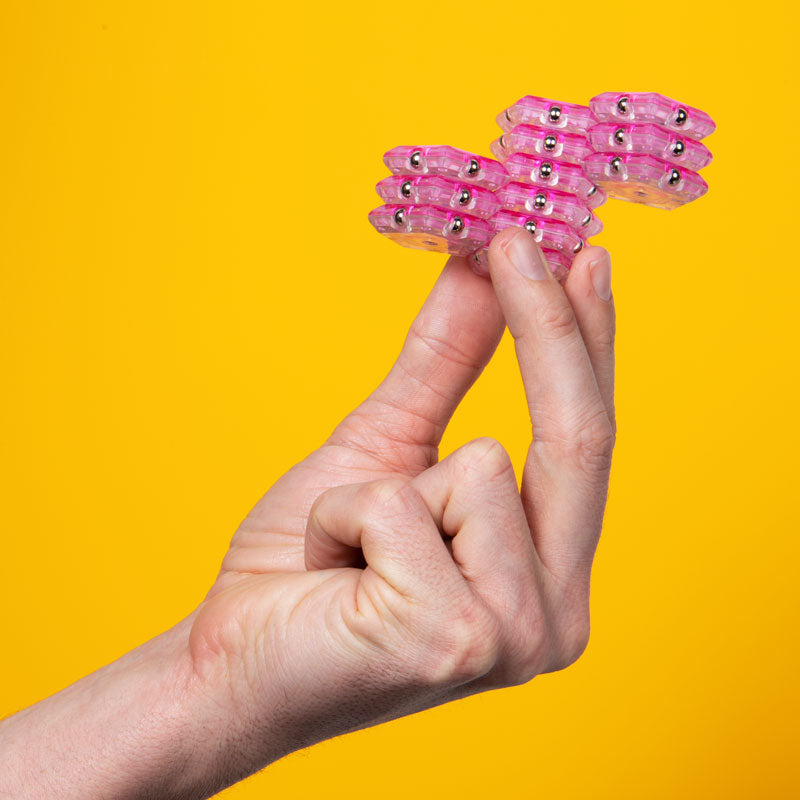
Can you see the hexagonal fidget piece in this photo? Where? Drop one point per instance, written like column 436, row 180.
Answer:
column 644, row 179
column 550, row 204
column 535, row 140
column 531, row 110
column 614, row 137
column 654, row 108
column 430, row 228
column 449, row 162
column 434, row 190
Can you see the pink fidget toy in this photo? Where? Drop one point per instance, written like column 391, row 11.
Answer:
column 557, row 162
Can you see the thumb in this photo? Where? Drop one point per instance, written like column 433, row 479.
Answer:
column 448, row 345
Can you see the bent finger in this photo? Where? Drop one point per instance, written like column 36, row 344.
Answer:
column 389, row 522
column 473, row 496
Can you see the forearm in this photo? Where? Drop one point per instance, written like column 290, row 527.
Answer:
column 144, row 726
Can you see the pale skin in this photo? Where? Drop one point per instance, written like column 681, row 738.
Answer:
column 372, row 580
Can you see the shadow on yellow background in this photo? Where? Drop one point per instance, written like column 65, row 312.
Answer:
column 192, row 297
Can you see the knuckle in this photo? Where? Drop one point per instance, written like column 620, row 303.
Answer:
column 466, row 647
column 604, row 342
column 557, row 320
column 573, row 639
column 528, row 663
column 486, row 456
column 317, row 510
column 442, row 346
column 596, row 444
column 386, row 497
column 528, row 637
column 612, row 418
column 589, row 443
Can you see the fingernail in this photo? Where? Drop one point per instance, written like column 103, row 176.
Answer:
column 600, row 273
column 522, row 252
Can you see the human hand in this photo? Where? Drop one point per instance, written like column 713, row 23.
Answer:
column 372, row 580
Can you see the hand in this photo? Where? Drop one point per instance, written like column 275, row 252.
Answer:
column 372, row 580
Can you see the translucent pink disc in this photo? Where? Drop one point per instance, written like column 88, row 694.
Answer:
column 550, row 233
column 449, row 162
column 550, row 204
column 429, row 228
column 571, row 147
column 434, row 190
column 651, row 107
column 644, row 179
column 558, row 262
column 553, row 174
column 531, row 110
column 650, row 140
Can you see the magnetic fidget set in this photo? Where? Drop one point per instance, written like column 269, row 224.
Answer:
column 556, row 163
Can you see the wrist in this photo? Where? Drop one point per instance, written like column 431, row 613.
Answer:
column 146, row 725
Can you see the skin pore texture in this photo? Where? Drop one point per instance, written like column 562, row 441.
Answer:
column 372, row 580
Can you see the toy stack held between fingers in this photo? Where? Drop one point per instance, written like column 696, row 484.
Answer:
column 557, row 163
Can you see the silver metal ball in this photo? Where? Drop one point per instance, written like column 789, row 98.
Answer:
column 507, row 117
column 405, row 189
column 550, row 142
column 681, row 116
column 457, row 225
column 674, row 177
column 399, row 216
column 592, row 191
column 502, row 140
column 619, row 136
column 622, row 105
column 616, row 163
column 464, row 197
column 474, row 167
column 679, row 148
column 586, row 220
column 578, row 247
column 415, row 159
column 540, row 201
column 546, row 169
column 530, row 226
column 555, row 114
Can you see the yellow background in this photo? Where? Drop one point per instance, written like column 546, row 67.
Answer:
column 192, row 297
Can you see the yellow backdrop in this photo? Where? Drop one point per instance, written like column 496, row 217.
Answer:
column 192, row 297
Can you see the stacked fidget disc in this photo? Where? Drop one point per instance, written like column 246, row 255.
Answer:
column 543, row 147
column 438, row 198
column 647, row 148
column 557, row 163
